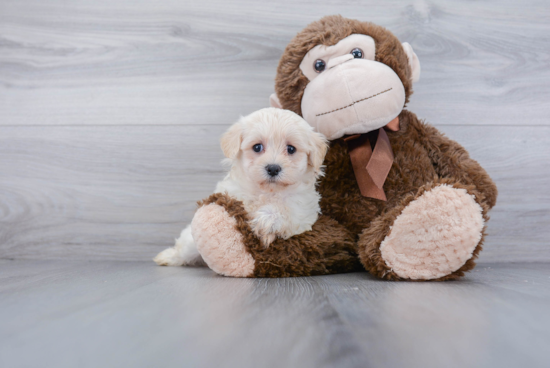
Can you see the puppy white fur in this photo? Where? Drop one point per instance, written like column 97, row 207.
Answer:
column 275, row 159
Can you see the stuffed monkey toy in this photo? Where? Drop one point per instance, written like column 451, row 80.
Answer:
column 399, row 199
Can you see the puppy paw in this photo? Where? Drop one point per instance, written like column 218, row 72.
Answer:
column 183, row 253
column 267, row 239
column 267, row 224
column 168, row 257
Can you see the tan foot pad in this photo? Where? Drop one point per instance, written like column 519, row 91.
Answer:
column 220, row 243
column 434, row 235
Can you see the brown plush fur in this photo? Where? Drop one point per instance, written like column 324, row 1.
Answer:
column 423, row 159
column 352, row 224
column 422, row 156
column 328, row 248
column 371, row 238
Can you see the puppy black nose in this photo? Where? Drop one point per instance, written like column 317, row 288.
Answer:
column 273, row 170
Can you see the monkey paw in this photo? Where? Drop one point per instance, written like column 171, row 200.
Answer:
column 434, row 235
column 220, row 243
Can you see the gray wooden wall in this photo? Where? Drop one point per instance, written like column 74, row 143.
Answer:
column 111, row 110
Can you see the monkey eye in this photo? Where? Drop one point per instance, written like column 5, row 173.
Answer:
column 290, row 149
column 357, row 53
column 319, row 65
column 258, row 147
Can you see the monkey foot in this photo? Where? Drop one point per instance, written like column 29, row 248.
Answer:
column 434, row 235
column 220, row 243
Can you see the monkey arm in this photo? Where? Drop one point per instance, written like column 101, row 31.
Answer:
column 451, row 160
column 229, row 247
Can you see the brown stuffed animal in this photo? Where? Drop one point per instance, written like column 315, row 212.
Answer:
column 399, row 199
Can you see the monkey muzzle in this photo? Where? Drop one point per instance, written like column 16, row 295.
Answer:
column 352, row 96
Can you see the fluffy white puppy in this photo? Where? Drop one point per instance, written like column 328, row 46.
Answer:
column 275, row 159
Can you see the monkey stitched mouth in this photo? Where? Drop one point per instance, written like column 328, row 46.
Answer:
column 353, row 103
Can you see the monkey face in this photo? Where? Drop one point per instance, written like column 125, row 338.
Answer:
column 345, row 76
column 349, row 92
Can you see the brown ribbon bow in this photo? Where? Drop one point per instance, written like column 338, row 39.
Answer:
column 371, row 166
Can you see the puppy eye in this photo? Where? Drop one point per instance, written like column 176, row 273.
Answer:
column 291, row 149
column 319, row 65
column 258, row 147
column 357, row 53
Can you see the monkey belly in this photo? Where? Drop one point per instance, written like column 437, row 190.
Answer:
column 341, row 198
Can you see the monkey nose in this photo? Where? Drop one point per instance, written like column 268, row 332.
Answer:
column 273, row 170
column 339, row 60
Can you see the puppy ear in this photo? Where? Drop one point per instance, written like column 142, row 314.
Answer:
column 319, row 147
column 414, row 63
column 231, row 140
column 274, row 101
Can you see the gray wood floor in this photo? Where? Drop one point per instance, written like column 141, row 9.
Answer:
column 110, row 111
column 135, row 314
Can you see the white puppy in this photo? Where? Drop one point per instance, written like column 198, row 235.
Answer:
column 275, row 159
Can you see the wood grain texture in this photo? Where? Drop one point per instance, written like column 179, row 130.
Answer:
column 101, row 192
column 125, row 192
column 110, row 110
column 136, row 314
column 183, row 62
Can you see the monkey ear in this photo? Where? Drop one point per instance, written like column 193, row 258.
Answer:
column 274, row 101
column 318, row 151
column 231, row 140
column 414, row 63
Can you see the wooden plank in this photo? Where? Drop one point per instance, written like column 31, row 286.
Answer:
column 112, row 314
column 476, row 322
column 189, row 317
column 180, row 62
column 125, row 192
column 98, row 191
